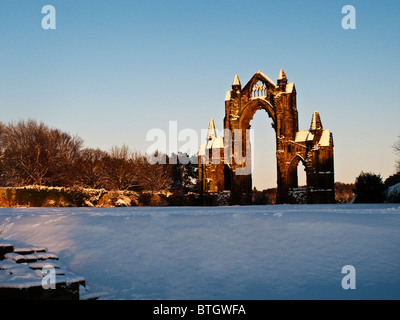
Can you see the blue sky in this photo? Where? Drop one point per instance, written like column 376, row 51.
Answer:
column 113, row 70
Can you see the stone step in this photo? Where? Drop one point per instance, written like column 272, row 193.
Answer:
column 18, row 258
column 23, row 251
column 21, row 275
column 42, row 264
column 5, row 248
column 30, row 258
column 45, row 256
column 64, row 290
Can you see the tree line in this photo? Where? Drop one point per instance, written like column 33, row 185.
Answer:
column 370, row 187
column 32, row 153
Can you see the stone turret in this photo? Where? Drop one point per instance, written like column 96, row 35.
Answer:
column 282, row 80
column 211, row 135
column 236, row 83
column 316, row 123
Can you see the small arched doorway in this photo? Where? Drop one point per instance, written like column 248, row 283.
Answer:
column 298, row 191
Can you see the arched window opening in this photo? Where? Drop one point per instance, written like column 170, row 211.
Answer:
column 259, row 90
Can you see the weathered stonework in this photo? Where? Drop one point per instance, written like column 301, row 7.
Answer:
column 224, row 162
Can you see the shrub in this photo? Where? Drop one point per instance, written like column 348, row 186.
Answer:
column 344, row 192
column 393, row 193
column 392, row 180
column 369, row 188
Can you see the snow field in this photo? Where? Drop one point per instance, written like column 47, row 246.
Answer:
column 257, row 252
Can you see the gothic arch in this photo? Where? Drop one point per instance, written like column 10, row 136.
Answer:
column 259, row 76
column 296, row 159
column 313, row 147
column 249, row 110
column 292, row 177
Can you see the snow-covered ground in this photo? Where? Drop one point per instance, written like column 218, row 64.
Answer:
column 258, row 252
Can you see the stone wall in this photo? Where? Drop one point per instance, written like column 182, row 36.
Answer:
column 37, row 196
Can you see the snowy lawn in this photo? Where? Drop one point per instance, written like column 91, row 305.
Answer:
column 257, row 252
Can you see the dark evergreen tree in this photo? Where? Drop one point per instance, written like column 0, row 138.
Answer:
column 369, row 188
column 184, row 173
column 392, row 180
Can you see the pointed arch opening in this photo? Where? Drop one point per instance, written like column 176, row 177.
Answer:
column 264, row 173
column 297, row 180
column 252, row 107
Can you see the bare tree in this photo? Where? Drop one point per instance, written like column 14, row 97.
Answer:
column 2, row 172
column 34, row 153
column 90, row 168
column 153, row 177
column 396, row 148
column 119, row 169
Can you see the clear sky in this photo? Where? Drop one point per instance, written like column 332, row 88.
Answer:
column 113, row 70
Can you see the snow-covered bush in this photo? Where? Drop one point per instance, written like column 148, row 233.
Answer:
column 87, row 203
column 157, row 201
column 393, row 193
column 123, row 201
column 41, row 196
